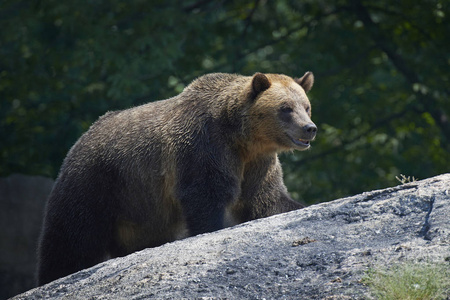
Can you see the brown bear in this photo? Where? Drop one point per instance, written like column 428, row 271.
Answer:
column 191, row 164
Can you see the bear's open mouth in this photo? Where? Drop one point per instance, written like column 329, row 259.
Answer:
column 304, row 142
column 300, row 142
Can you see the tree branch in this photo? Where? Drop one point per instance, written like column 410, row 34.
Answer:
column 196, row 5
column 403, row 67
column 248, row 20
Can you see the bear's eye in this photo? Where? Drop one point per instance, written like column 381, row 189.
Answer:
column 308, row 109
column 286, row 109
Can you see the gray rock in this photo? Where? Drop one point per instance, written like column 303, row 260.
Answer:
column 320, row 252
column 22, row 202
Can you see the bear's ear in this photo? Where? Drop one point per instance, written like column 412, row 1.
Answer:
column 260, row 83
column 306, row 82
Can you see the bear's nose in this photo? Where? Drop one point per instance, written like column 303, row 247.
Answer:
column 310, row 128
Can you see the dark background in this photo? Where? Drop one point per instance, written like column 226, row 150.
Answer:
column 381, row 98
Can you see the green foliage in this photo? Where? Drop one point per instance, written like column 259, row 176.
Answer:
column 380, row 98
column 410, row 281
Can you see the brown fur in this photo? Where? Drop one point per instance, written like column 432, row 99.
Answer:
column 194, row 163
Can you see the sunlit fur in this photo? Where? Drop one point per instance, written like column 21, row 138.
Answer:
column 194, row 163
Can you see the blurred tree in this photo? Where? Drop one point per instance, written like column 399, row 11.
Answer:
column 380, row 99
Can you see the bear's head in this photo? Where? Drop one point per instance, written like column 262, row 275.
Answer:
column 280, row 112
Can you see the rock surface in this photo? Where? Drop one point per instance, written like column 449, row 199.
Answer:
column 320, row 252
column 22, row 202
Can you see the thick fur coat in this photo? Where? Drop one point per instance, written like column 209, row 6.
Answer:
column 191, row 164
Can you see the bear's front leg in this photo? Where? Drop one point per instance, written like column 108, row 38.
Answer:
column 263, row 191
column 204, row 193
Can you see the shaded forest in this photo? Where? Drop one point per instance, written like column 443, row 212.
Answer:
column 381, row 97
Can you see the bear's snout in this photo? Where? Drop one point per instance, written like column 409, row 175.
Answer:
column 310, row 130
